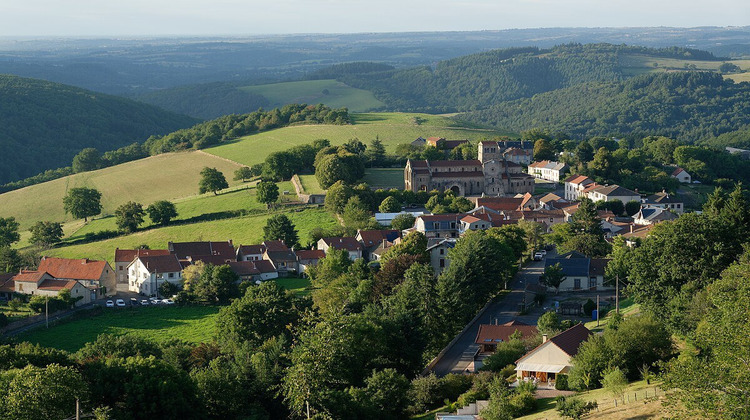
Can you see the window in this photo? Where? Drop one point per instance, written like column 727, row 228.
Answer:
column 442, row 251
column 442, row 263
column 577, row 284
column 436, row 225
column 171, row 275
column 121, row 268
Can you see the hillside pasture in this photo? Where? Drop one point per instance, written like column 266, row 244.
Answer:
column 163, row 177
column 391, row 128
column 330, row 92
column 241, row 230
column 634, row 64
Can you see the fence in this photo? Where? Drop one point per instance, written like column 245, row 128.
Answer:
column 640, row 396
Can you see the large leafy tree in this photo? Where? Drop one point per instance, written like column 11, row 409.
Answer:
column 337, row 196
column 543, row 150
column 161, row 212
column 267, row 192
column 46, row 233
column 129, row 216
column 280, row 228
column 41, row 393
column 390, row 205
column 341, row 166
column 87, row 159
column 216, row 284
column 212, row 180
column 8, row 231
column 243, row 174
column 553, row 276
column 83, row 202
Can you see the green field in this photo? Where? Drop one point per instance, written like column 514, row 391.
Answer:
column 338, row 94
column 391, row 128
column 195, row 324
column 634, row 64
column 163, row 177
column 241, row 230
column 299, row 286
column 310, row 184
column 385, row 178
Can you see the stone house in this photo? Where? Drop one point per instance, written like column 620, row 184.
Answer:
column 574, row 186
column 41, row 283
column 682, row 175
column 581, row 272
column 98, row 276
column 349, row 244
column 438, row 249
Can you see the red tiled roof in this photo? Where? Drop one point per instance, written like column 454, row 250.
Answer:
column 540, row 164
column 244, row 268
column 348, row 243
column 570, row 340
column 161, row 263
column 491, row 333
column 128, row 255
column 275, row 246
column 29, row 276
column 677, row 171
column 54, row 284
column 470, row 219
column 7, row 285
column 212, row 259
column 577, row 179
column 500, row 203
column 310, row 254
column 418, row 163
column 63, row 268
column 591, row 187
column 373, row 237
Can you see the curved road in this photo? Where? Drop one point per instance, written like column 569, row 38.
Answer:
column 458, row 357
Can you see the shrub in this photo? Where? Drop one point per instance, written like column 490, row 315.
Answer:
column 589, row 307
column 574, row 408
column 508, row 371
column 561, row 382
column 506, row 354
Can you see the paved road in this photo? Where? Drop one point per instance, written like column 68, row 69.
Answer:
column 461, row 354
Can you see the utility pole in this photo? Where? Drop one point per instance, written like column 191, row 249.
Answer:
column 617, row 294
column 597, row 310
column 78, row 409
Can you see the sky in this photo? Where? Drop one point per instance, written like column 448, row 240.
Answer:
column 251, row 17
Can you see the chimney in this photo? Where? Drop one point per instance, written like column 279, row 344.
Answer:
column 631, row 227
column 384, row 242
column 544, row 338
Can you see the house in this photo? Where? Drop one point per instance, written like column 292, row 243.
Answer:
column 745, row 154
column 41, row 283
column 250, row 252
column 260, row 270
column 500, row 203
column 385, row 219
column 579, row 271
column 95, row 275
column 469, row 223
column 491, row 334
column 208, row 252
column 682, row 175
column 518, row 155
column 438, row 249
column 123, row 258
column 548, row 218
column 419, row 142
column 491, row 174
column 611, row 193
column 637, row 234
column 372, row 239
column 281, row 256
column 552, row 201
column 548, row 170
column 349, row 244
column 649, row 216
column 552, row 357
column 308, row 258
column 439, row 225
column 7, row 286
column 443, row 144
column 147, row 273
column 574, row 186
column 664, row 200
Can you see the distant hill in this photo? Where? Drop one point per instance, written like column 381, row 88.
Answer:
column 45, row 124
column 688, row 106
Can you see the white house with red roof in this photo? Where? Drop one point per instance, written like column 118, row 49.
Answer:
column 552, row 357
column 123, row 258
column 41, row 283
column 574, row 186
column 682, row 176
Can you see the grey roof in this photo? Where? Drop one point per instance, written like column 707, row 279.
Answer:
column 436, row 242
column 574, row 267
column 662, row 198
column 615, row 190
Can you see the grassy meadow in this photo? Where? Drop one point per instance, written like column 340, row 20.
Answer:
column 310, row 184
column 391, row 128
column 385, row 178
column 337, row 94
column 241, row 230
column 195, row 324
column 634, row 64
column 164, row 177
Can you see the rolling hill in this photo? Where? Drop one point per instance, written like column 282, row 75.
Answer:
column 45, row 124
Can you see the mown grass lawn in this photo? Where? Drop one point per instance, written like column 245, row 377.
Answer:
column 385, row 178
column 300, row 286
column 329, row 92
column 195, row 324
column 310, row 184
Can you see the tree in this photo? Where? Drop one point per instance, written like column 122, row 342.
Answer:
column 83, row 202
column 267, row 192
column 403, row 221
column 590, row 363
column 211, row 180
column 280, row 228
column 168, row 289
column 341, row 166
column 337, row 196
column 574, row 408
column 614, row 382
column 584, row 152
column 88, row 159
column 553, row 276
column 161, row 212
column 548, row 323
column 42, row 393
column 45, row 233
column 729, row 68
column 390, row 205
column 356, row 215
column 376, row 153
column 242, row 174
column 385, row 394
column 543, row 150
column 632, row 207
column 129, row 216
column 217, row 284
column 8, row 231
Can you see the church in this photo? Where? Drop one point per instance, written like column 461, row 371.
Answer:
column 489, row 175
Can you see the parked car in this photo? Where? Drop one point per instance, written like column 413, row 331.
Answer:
column 538, row 256
column 543, row 252
column 120, row 303
column 144, row 302
column 133, row 301
column 168, row 302
column 110, row 304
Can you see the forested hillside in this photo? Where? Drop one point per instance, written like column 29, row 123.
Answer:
column 45, row 124
column 480, row 80
column 685, row 105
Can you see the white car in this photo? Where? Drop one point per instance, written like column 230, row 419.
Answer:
column 538, row 256
column 110, row 304
column 120, row 303
column 168, row 302
column 144, row 302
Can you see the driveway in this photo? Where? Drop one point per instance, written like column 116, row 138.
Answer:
column 461, row 354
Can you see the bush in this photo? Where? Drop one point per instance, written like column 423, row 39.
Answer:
column 574, row 408
column 3, row 320
column 506, row 354
column 589, row 307
column 561, row 382
column 508, row 371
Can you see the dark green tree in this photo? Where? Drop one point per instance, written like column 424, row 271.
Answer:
column 129, row 216
column 584, row 152
column 403, row 221
column 243, row 174
column 88, row 159
column 390, row 205
column 553, row 276
column 376, row 153
column 46, row 233
column 632, row 207
column 280, row 228
column 216, row 284
column 83, row 202
column 549, row 323
column 42, row 392
column 543, row 150
column 161, row 212
column 337, row 196
column 212, row 180
column 8, row 231
column 356, row 215
column 267, row 192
